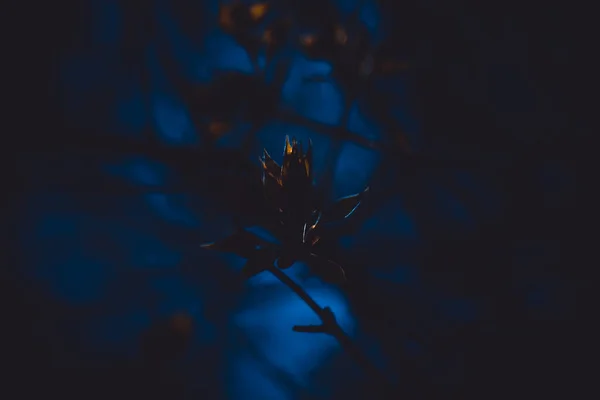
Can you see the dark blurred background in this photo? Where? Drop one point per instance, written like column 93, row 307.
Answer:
column 468, row 267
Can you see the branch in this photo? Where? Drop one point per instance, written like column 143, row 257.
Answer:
column 330, row 326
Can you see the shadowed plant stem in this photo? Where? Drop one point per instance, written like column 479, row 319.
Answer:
column 331, row 327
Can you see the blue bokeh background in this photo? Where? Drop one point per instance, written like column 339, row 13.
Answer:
column 466, row 276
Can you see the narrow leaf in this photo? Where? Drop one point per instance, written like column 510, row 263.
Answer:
column 270, row 166
column 241, row 243
column 344, row 207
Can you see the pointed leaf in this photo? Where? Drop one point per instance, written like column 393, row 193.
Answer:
column 287, row 149
column 310, row 226
column 270, row 166
column 328, row 270
column 241, row 243
column 343, row 207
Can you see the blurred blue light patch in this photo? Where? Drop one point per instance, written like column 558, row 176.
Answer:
column 391, row 221
column 247, row 380
column 319, row 101
column 297, row 272
column 371, row 17
column 316, row 100
column 172, row 208
column 269, row 327
column 354, row 169
column 234, row 261
column 225, row 54
column 140, row 170
column 360, row 124
column 173, row 121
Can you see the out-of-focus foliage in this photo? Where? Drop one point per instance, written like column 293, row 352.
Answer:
column 139, row 131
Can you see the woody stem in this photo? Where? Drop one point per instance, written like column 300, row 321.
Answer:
column 332, row 327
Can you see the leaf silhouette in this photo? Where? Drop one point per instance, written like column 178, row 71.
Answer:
column 270, row 166
column 343, row 207
column 260, row 261
column 241, row 243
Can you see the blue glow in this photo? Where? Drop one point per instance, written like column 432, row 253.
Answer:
column 392, row 221
column 225, row 54
column 354, row 169
column 360, row 124
column 269, row 329
column 316, row 100
column 173, row 121
column 172, row 209
column 248, row 378
column 140, row 170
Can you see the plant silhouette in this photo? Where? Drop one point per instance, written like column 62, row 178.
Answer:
column 298, row 220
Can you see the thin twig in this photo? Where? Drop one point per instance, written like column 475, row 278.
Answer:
column 331, row 327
